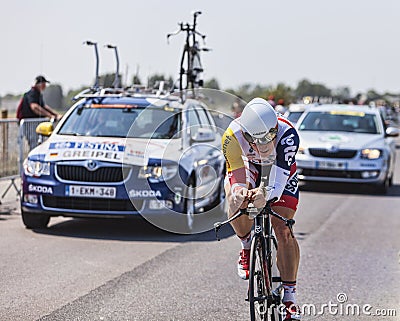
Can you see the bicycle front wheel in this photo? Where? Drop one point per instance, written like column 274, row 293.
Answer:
column 185, row 70
column 259, row 290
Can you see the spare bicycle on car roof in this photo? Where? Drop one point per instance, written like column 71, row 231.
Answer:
column 191, row 69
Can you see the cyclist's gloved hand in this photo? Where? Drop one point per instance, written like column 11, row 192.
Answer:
column 259, row 197
column 239, row 194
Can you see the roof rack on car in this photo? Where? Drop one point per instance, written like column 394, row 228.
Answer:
column 132, row 91
column 116, row 90
column 96, row 80
column 117, row 82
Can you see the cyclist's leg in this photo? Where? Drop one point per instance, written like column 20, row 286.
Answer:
column 288, row 255
column 242, row 225
column 288, row 249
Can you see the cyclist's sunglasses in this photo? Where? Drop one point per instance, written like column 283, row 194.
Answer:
column 269, row 137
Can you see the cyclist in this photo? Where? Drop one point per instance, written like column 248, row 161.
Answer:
column 251, row 142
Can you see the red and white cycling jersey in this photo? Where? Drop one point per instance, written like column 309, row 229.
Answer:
column 244, row 163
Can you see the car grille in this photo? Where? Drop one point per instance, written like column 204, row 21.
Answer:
column 330, row 173
column 341, row 153
column 92, row 204
column 111, row 174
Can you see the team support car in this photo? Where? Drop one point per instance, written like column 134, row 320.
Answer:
column 125, row 154
column 346, row 143
column 295, row 111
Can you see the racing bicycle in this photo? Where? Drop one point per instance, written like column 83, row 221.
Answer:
column 265, row 290
column 191, row 69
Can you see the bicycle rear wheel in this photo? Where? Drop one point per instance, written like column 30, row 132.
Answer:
column 258, row 281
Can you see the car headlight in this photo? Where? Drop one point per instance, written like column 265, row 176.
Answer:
column 36, row 168
column 157, row 174
column 301, row 150
column 373, row 153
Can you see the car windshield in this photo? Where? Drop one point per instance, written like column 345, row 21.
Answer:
column 109, row 121
column 341, row 121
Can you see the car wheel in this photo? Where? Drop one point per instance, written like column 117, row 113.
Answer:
column 32, row 221
column 391, row 180
column 189, row 207
column 383, row 187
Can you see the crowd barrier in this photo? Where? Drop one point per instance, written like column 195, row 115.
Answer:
column 16, row 140
column 27, row 137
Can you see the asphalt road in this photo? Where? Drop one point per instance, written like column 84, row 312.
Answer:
column 129, row 270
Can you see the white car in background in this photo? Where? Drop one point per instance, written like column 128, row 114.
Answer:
column 295, row 111
column 346, row 143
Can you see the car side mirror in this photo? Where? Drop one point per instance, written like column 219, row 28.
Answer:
column 392, row 132
column 45, row 129
column 203, row 135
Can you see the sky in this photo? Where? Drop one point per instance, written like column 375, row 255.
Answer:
column 352, row 43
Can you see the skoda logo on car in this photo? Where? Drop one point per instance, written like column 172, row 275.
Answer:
column 332, row 149
column 91, row 165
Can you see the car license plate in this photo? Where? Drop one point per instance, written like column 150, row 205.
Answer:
column 331, row 165
column 90, row 191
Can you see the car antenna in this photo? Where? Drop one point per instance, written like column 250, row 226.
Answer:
column 117, row 82
column 96, row 81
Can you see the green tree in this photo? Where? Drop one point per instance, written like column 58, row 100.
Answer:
column 212, row 84
column 154, row 81
column 282, row 91
column 71, row 94
column 107, row 80
column 307, row 88
column 246, row 91
column 341, row 93
column 373, row 95
column 136, row 80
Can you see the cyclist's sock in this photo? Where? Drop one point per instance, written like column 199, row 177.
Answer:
column 290, row 291
column 246, row 241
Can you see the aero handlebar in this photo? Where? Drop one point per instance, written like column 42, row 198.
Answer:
column 252, row 212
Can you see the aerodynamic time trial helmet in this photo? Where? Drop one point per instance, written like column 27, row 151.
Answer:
column 259, row 122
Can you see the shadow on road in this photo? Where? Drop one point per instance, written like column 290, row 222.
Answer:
column 342, row 188
column 125, row 230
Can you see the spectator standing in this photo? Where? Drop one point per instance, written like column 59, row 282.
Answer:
column 33, row 105
column 271, row 100
column 280, row 107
